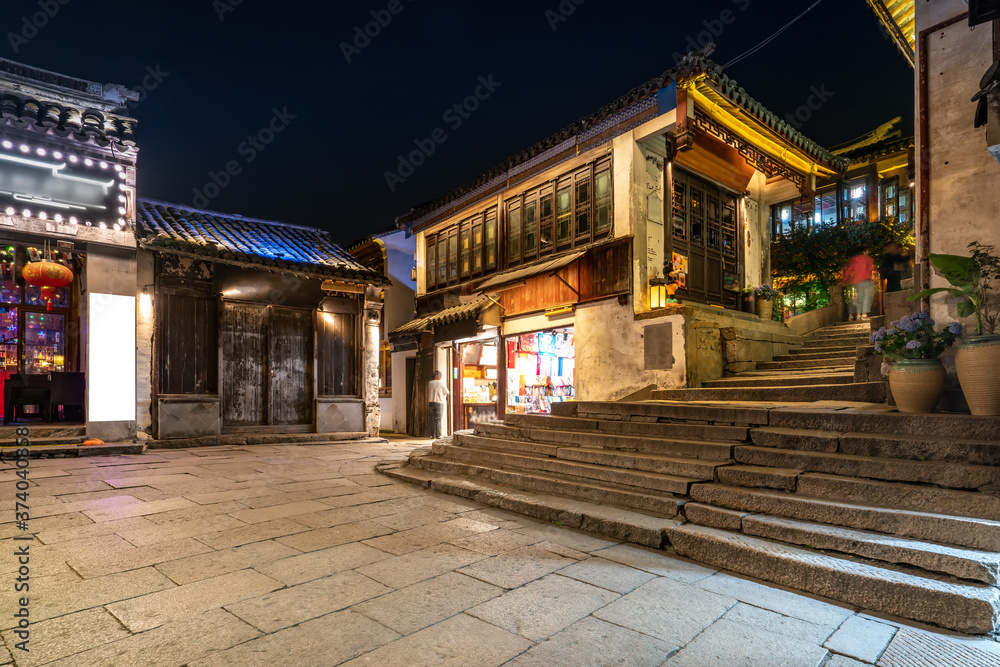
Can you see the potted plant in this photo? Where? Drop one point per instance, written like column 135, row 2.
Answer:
column 916, row 377
column 978, row 356
column 765, row 294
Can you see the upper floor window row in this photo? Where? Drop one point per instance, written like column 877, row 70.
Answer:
column 832, row 204
column 569, row 211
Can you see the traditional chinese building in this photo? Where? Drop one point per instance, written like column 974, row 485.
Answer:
column 391, row 254
column 257, row 326
column 67, row 201
column 534, row 281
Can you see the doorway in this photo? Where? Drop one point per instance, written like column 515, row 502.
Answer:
column 267, row 367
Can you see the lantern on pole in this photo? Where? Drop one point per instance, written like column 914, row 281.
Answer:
column 49, row 276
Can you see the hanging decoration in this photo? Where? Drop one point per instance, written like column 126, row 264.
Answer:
column 47, row 272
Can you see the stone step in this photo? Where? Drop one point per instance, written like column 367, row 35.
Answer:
column 666, row 430
column 41, row 432
column 862, row 392
column 656, row 481
column 866, row 421
column 846, row 326
column 664, row 411
column 977, row 565
column 964, row 607
column 612, row 522
column 900, row 496
column 788, row 380
column 846, row 350
column 954, row 449
column 660, row 504
column 836, row 341
column 845, row 362
column 695, row 449
column 941, row 473
column 813, row 354
column 954, row 530
column 71, row 449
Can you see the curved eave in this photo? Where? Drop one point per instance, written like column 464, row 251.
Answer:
column 754, row 131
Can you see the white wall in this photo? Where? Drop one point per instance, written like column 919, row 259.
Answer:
column 964, row 200
column 610, row 352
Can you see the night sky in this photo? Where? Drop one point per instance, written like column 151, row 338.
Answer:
column 226, row 66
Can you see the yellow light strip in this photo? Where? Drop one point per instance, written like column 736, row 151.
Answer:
column 755, row 132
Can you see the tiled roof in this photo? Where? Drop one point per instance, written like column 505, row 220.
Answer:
column 454, row 314
column 692, row 66
column 226, row 237
column 881, row 149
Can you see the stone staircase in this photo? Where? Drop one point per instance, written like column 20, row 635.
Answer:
column 824, row 363
column 892, row 513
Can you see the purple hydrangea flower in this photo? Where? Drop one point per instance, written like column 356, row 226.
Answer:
column 892, row 332
column 910, row 325
column 955, row 329
column 924, row 316
column 913, row 345
column 878, row 348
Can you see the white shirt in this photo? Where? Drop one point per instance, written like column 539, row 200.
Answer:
column 439, row 391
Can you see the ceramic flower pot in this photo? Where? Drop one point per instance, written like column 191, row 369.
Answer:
column 917, row 384
column 977, row 362
column 764, row 307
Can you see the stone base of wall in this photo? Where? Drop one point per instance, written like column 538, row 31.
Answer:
column 341, row 415
column 188, row 416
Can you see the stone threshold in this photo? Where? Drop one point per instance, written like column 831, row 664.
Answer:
column 244, row 439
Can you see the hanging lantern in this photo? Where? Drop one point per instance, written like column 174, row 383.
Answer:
column 48, row 276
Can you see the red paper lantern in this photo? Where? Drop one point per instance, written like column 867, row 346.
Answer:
column 48, row 276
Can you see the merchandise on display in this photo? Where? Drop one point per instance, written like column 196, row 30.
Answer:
column 540, row 371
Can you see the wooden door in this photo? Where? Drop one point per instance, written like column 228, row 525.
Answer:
column 291, row 365
column 244, row 360
column 267, row 366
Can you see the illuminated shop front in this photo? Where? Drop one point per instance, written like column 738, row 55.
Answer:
column 478, row 381
column 541, row 368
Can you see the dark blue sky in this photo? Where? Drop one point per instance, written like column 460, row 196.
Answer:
column 226, row 65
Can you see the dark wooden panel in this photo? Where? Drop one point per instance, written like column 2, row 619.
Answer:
column 337, row 354
column 291, row 347
column 187, row 344
column 606, row 271
column 244, row 358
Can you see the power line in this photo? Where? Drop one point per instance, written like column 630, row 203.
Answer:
column 767, row 41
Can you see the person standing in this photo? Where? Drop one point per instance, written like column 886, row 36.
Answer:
column 895, row 263
column 438, row 400
column 858, row 274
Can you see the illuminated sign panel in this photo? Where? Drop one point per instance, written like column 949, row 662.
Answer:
column 38, row 183
column 111, row 358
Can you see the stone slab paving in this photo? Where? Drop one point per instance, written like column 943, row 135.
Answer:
column 302, row 554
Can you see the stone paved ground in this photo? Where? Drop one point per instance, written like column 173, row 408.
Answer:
column 303, row 555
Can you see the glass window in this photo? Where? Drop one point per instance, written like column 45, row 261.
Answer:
column 583, row 206
column 44, row 343
column 602, row 219
column 34, row 296
column 464, row 250
column 530, row 228
column 431, row 268
column 564, row 214
column 442, row 264
column 547, row 220
column 452, row 256
column 514, row 232
column 477, row 248
column 491, row 239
